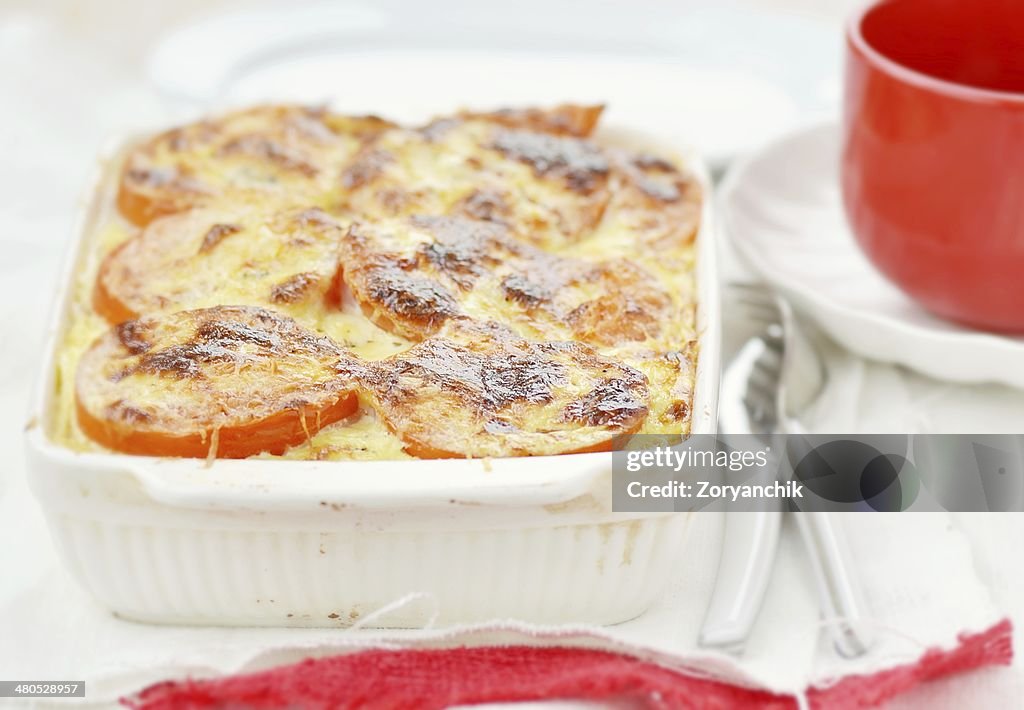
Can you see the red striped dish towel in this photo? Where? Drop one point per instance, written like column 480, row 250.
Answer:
column 442, row 678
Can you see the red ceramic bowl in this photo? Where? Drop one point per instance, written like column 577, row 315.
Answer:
column 933, row 153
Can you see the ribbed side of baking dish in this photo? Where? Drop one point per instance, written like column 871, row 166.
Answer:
column 598, row 573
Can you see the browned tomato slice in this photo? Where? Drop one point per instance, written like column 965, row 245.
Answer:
column 293, row 152
column 547, row 189
column 564, row 119
column 205, row 257
column 478, row 390
column 225, row 382
column 411, row 276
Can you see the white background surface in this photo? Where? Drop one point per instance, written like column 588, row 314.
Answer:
column 72, row 74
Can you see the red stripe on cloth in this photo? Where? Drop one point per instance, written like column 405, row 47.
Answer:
column 993, row 647
column 440, row 678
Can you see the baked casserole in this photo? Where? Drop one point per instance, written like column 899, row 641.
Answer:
column 284, row 281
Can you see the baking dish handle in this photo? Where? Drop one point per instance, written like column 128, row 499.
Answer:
column 283, row 485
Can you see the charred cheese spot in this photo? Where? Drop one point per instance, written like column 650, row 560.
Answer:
column 216, row 234
column 528, row 290
column 582, row 165
column 461, row 249
column 228, row 382
column 408, row 302
column 476, row 389
column 486, row 205
column 132, row 336
column 296, row 288
column 610, row 403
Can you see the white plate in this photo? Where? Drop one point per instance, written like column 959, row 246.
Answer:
column 781, row 208
column 725, row 79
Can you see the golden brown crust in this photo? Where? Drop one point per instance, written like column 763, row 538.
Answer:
column 411, row 276
column 227, row 382
column 211, row 256
column 657, row 202
column 581, row 165
column 530, row 272
column 550, row 190
column 564, row 119
column 671, row 374
column 630, row 305
column 233, row 381
column 477, row 390
column 292, row 152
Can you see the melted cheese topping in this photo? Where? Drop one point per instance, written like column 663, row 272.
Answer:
column 364, row 438
column 633, row 224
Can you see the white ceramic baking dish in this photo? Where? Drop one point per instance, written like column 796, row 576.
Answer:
column 291, row 543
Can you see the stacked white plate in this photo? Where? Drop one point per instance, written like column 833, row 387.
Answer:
column 783, row 212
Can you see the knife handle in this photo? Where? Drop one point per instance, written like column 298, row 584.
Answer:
column 744, row 568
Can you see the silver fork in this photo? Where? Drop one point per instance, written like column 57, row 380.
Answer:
column 772, row 372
